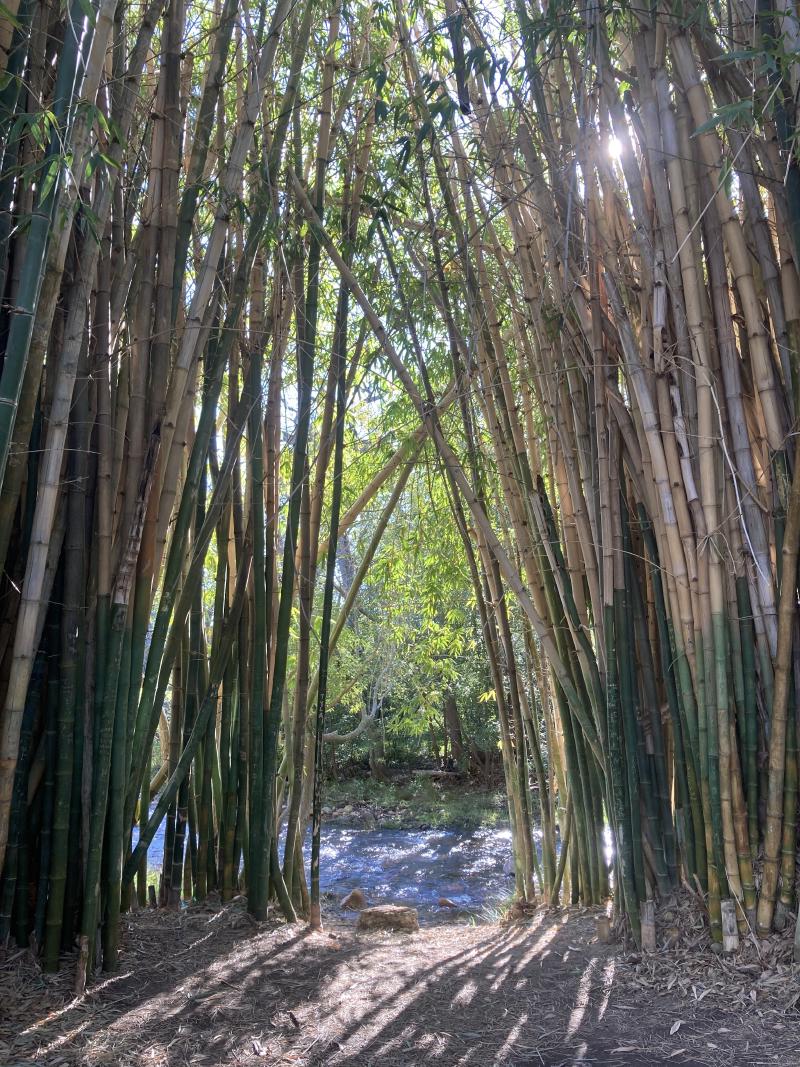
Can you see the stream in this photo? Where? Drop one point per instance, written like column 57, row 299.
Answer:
column 471, row 867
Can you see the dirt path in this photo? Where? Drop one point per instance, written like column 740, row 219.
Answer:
column 208, row 988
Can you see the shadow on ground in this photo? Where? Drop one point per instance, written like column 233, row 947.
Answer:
column 207, row 988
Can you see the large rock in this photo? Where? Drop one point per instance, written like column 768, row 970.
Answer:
column 389, row 917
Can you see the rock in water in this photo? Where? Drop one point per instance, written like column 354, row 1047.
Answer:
column 354, row 901
column 389, row 917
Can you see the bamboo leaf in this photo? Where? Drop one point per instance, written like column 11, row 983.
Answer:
column 728, row 115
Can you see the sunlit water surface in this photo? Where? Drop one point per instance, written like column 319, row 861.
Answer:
column 473, row 868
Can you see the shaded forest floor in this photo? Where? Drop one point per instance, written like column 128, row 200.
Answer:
column 208, row 987
column 415, row 800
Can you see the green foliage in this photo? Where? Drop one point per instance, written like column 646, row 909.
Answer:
column 414, row 636
column 739, row 113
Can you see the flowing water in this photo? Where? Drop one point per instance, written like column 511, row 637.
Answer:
column 471, row 867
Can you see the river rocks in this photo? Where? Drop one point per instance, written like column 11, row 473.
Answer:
column 360, row 816
column 354, row 901
column 389, row 917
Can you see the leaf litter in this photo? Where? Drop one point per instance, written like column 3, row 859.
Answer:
column 208, row 987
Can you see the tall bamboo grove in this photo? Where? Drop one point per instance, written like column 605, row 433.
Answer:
column 564, row 244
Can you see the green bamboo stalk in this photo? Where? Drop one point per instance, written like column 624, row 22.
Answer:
column 340, row 350
column 531, row 724
column 778, row 747
column 144, row 811
column 178, row 703
column 105, row 724
column 46, row 517
column 651, row 701
column 226, row 766
column 688, row 813
column 201, row 140
column 11, row 383
column 709, row 761
column 229, row 753
column 51, row 744
column 280, row 639
column 22, row 318
column 789, row 833
column 258, row 864
column 10, row 144
column 207, row 708
column 566, row 838
column 628, row 724
column 11, row 870
column 207, row 277
column 115, row 834
column 181, row 860
column 643, row 795
column 241, row 845
column 72, row 628
column 749, row 710
column 616, row 764
column 159, row 662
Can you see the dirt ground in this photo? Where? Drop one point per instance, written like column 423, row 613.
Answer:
column 208, row 987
